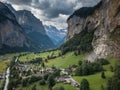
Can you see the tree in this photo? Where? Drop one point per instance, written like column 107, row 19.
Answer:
column 46, row 60
column 34, row 87
column 103, row 75
column 51, row 82
column 46, row 76
column 114, row 82
column 25, row 82
column 109, row 84
column 42, row 82
column 79, row 63
column 103, row 61
column 56, row 72
column 84, row 85
column 111, row 68
column 75, row 53
column 102, row 87
column 43, row 64
column 61, row 88
column 78, row 71
column 34, row 79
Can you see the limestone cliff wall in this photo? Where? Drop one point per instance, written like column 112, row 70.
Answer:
column 105, row 20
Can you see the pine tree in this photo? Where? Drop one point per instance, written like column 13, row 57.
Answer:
column 84, row 85
column 103, row 75
column 34, row 87
column 51, row 82
column 114, row 82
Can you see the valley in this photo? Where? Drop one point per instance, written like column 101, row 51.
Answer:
column 30, row 65
column 60, row 45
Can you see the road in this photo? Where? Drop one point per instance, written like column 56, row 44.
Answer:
column 73, row 82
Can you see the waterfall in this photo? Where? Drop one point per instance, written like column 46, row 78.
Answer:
column 7, row 78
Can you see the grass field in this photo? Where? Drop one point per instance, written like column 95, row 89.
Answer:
column 1, row 83
column 43, row 55
column 64, row 62
column 45, row 87
column 95, row 80
column 38, row 87
column 5, row 61
column 3, row 65
column 66, row 86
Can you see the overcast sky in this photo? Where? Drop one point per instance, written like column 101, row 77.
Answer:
column 51, row 12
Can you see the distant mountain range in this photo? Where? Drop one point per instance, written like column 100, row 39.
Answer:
column 34, row 29
column 56, row 35
column 21, row 29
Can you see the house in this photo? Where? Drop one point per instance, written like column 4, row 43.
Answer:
column 2, row 76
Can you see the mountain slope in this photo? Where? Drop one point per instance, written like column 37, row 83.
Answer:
column 11, row 34
column 34, row 29
column 102, row 19
column 57, row 36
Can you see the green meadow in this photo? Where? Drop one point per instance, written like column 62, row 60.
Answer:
column 31, row 55
column 95, row 80
column 65, row 61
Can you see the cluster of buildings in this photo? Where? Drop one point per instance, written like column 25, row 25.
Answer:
column 67, row 80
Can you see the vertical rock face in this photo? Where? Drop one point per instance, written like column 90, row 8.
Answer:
column 34, row 29
column 29, row 22
column 75, row 26
column 105, row 21
column 10, row 31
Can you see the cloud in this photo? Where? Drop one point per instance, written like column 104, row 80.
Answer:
column 54, row 12
column 50, row 8
column 89, row 2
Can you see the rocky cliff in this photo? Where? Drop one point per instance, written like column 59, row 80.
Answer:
column 34, row 29
column 104, row 20
column 29, row 22
column 11, row 34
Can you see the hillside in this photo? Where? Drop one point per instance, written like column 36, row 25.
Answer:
column 11, row 33
column 68, row 62
column 34, row 29
column 26, row 33
column 103, row 20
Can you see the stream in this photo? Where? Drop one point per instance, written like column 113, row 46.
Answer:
column 7, row 74
column 7, row 78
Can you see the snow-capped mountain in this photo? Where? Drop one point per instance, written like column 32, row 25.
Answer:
column 56, row 35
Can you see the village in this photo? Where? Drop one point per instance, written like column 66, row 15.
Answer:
column 26, row 70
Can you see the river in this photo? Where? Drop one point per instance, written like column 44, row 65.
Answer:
column 7, row 76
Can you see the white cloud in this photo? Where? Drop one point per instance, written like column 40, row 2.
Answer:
column 59, row 22
column 51, row 12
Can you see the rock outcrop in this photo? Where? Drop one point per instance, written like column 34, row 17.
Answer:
column 11, row 33
column 104, row 19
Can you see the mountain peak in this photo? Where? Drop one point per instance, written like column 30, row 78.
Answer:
column 56, row 35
